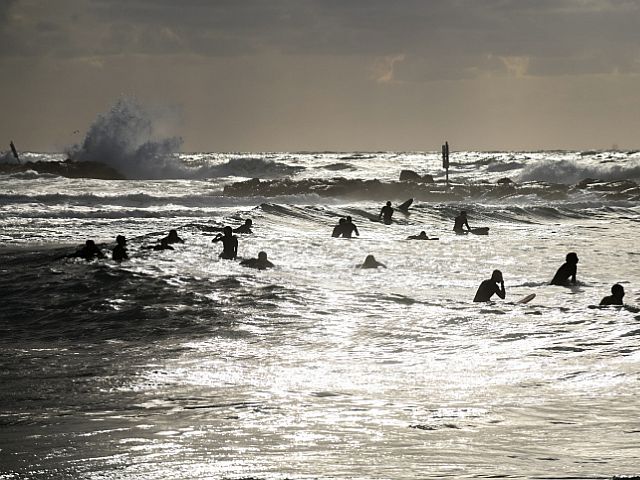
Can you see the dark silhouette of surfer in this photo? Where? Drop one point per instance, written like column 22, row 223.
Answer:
column 386, row 213
column 490, row 286
column 163, row 245
column 229, row 244
column 88, row 252
column 461, row 221
column 617, row 294
column 421, row 236
column 371, row 262
column 119, row 252
column 339, row 229
column 567, row 272
column 245, row 227
column 349, row 228
column 173, row 237
column 261, row 263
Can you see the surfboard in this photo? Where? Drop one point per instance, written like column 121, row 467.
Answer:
column 527, row 299
column 480, row 231
column 405, row 206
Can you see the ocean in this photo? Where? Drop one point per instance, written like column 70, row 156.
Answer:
column 177, row 364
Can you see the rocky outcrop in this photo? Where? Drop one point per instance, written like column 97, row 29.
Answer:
column 68, row 168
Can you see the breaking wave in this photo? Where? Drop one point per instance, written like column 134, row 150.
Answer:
column 569, row 172
column 126, row 138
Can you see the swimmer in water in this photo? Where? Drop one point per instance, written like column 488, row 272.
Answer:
column 163, row 245
column 566, row 271
column 386, row 213
column 350, row 228
column 371, row 262
column 119, row 252
column 460, row 222
column 88, row 252
column 229, row 244
column 173, row 237
column 617, row 294
column 490, row 286
column 261, row 263
column 339, row 229
column 245, row 227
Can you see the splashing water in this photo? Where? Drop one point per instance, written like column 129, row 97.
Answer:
column 125, row 139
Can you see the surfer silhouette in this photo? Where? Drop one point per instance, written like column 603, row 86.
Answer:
column 119, row 252
column 229, row 244
column 386, row 213
column 371, row 262
column 349, row 228
column 421, row 236
column 339, row 229
column 461, row 221
column 617, row 294
column 567, row 271
column 245, row 227
column 261, row 263
column 490, row 286
column 88, row 252
column 173, row 237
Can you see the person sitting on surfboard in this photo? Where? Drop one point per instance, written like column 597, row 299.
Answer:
column 386, row 213
column 617, row 294
column 490, row 286
column 566, row 271
column 261, row 263
column 421, row 236
column 371, row 262
column 119, row 252
column 460, row 221
column 229, row 244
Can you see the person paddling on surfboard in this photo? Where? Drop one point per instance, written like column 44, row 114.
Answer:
column 566, row 271
column 386, row 213
column 421, row 236
column 371, row 262
column 490, row 286
column 617, row 294
column 461, row 221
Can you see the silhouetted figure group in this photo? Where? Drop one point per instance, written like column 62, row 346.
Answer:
column 345, row 228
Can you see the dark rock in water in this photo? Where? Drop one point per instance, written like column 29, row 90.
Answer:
column 505, row 181
column 68, row 168
column 411, row 176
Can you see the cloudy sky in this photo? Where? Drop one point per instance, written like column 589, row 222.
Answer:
column 255, row 75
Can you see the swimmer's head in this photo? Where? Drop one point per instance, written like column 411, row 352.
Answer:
column 496, row 276
column 342, row 220
column 228, row 230
column 248, row 222
column 617, row 290
column 120, row 240
column 572, row 257
column 262, row 256
column 388, row 204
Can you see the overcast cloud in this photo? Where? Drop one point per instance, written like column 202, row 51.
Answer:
column 391, row 42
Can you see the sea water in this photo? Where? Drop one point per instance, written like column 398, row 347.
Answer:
column 177, row 364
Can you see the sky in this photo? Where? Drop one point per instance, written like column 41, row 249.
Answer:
column 316, row 75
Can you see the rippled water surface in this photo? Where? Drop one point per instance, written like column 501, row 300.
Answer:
column 180, row 365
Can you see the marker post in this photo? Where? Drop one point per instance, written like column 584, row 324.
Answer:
column 445, row 160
